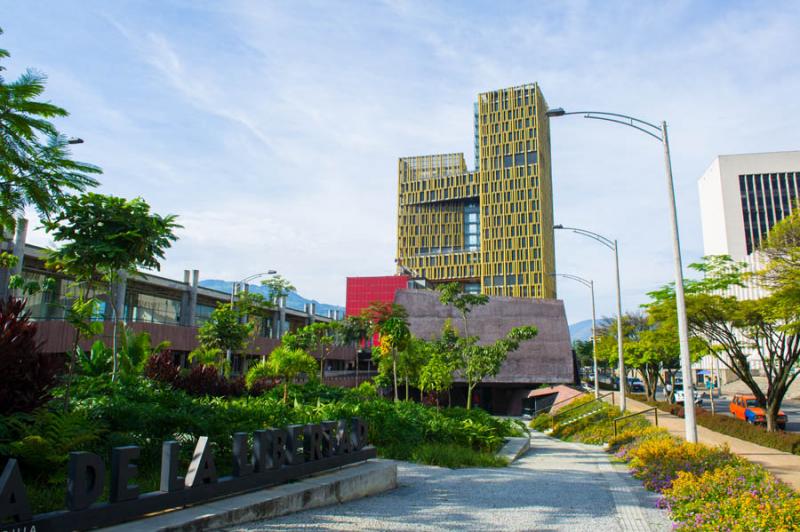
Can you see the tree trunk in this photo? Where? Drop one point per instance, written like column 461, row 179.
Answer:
column 394, row 376
column 470, row 387
column 406, row 388
column 285, row 391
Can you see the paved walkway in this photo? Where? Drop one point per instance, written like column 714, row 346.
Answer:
column 555, row 486
column 785, row 466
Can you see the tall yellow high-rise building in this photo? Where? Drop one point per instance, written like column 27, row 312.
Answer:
column 490, row 228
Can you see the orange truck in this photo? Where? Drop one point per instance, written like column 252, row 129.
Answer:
column 746, row 408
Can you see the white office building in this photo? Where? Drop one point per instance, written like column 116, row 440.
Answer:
column 741, row 198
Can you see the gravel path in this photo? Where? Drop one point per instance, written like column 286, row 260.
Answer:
column 555, row 486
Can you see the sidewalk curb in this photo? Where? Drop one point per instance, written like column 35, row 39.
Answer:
column 514, row 448
column 347, row 484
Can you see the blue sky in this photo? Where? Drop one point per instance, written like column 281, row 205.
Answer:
column 273, row 128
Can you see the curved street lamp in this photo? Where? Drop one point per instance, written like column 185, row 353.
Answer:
column 234, row 291
column 613, row 246
column 660, row 134
column 243, row 282
column 590, row 285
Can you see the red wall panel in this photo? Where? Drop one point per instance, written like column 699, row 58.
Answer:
column 361, row 291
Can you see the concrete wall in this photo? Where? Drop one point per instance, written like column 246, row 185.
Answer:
column 546, row 358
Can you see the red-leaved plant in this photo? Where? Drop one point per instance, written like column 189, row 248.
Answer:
column 26, row 374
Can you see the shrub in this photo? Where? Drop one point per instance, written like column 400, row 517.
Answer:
column 161, row 367
column 455, row 456
column 26, row 374
column 262, row 386
column 741, row 496
column 657, row 462
column 206, row 380
column 625, row 441
column 42, row 441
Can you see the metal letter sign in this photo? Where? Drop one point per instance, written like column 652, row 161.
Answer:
column 279, row 455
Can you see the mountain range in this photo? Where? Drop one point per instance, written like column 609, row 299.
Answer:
column 582, row 330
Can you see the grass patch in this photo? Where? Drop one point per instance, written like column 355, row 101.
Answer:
column 455, row 456
column 595, row 429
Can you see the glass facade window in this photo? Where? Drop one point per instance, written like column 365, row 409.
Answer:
column 154, row 309
column 766, row 200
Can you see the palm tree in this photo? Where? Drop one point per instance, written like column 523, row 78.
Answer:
column 35, row 164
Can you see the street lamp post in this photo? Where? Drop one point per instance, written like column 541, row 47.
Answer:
column 613, row 246
column 660, row 134
column 589, row 283
column 234, row 291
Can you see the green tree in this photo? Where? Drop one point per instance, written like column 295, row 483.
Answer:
column 254, row 307
column 278, row 288
column 781, row 276
column 224, row 331
column 286, row 364
column 106, row 237
column 452, row 294
column 437, row 373
column 394, row 337
column 319, row 338
column 35, row 164
column 411, row 360
column 584, row 352
column 479, row 362
column 732, row 330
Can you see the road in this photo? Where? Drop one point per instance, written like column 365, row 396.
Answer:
column 790, row 407
column 555, row 486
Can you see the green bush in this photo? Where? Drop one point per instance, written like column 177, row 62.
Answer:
column 145, row 413
column 740, row 496
column 657, row 462
column 455, row 456
column 596, row 428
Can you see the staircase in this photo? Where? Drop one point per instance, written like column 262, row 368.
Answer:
column 601, row 408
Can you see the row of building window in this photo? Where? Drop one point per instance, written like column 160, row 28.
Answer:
column 766, row 200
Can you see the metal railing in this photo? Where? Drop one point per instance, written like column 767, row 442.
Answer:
column 600, row 398
column 538, row 410
column 653, row 409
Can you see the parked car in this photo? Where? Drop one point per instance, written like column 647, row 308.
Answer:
column 678, row 397
column 746, row 408
column 635, row 385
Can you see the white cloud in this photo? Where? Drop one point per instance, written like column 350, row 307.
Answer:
column 274, row 129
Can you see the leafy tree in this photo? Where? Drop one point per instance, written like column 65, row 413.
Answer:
column 584, row 352
column 223, row 332
column 355, row 329
column 452, row 294
column 278, row 288
column 102, row 236
column 732, row 330
column 411, row 360
column 394, row 337
column 35, row 164
column 782, row 273
column 633, row 324
column 254, row 307
column 479, row 362
column 319, row 337
column 285, row 363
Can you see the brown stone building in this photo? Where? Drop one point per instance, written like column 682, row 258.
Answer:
column 547, row 358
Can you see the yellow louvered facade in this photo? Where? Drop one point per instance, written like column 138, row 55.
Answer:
column 490, row 228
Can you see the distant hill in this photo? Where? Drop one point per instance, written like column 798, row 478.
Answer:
column 583, row 329
column 294, row 300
